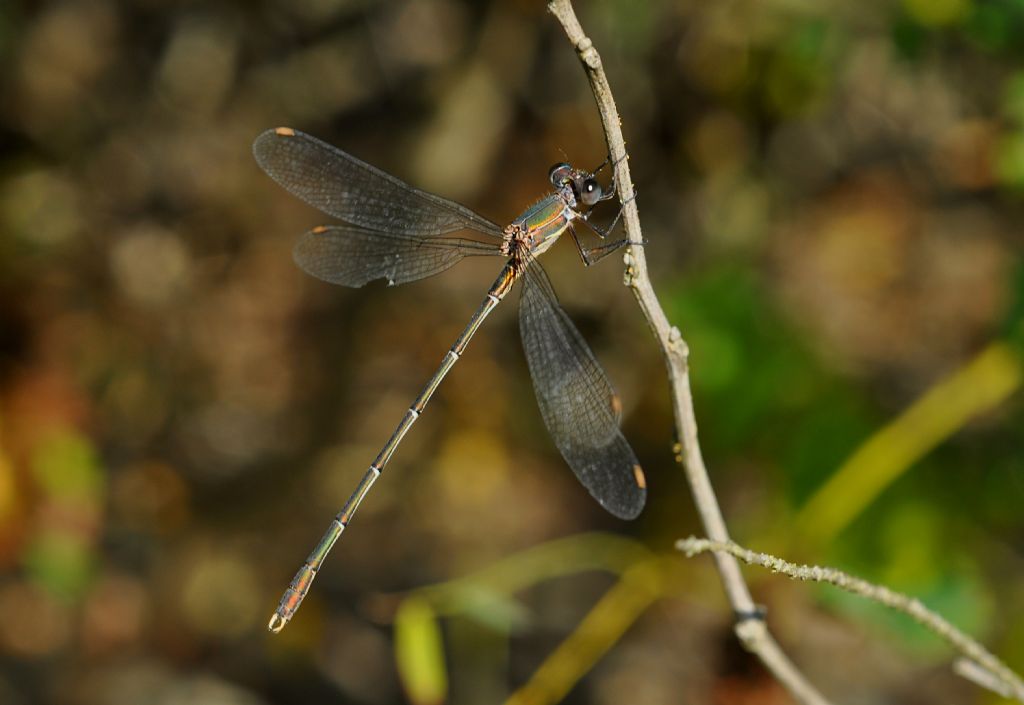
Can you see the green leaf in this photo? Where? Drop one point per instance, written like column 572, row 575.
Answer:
column 491, row 608
column 419, row 653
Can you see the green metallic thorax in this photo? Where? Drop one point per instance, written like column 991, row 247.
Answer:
column 543, row 222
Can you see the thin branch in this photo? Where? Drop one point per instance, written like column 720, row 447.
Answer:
column 981, row 676
column 750, row 627
column 977, row 654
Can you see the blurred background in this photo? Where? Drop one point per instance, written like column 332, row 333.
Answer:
column 831, row 192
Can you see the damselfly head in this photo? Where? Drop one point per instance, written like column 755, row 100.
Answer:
column 584, row 186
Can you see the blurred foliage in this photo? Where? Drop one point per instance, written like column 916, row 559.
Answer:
column 831, row 194
column 984, row 383
column 419, row 653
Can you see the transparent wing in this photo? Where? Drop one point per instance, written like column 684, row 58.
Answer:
column 577, row 401
column 347, row 188
column 352, row 256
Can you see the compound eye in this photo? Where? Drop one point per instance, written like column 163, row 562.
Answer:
column 560, row 173
column 591, row 191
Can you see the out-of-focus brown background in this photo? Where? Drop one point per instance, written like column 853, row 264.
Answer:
column 832, row 194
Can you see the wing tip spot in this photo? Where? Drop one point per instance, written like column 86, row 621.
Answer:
column 319, row 229
column 616, row 404
column 638, row 475
column 284, row 131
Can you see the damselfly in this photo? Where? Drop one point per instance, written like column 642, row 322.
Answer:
column 399, row 233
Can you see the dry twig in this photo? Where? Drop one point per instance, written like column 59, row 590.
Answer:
column 750, row 625
column 977, row 655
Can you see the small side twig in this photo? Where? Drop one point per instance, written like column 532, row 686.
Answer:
column 750, row 625
column 980, row 676
column 979, row 661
